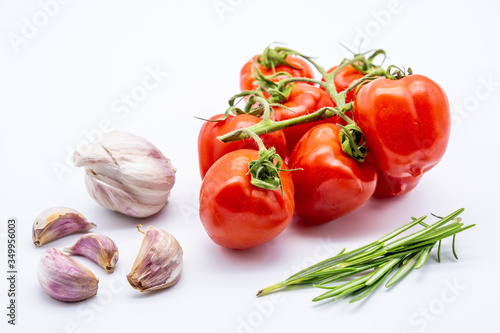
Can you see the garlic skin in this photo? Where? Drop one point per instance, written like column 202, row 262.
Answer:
column 98, row 248
column 64, row 278
column 159, row 262
column 127, row 174
column 57, row 222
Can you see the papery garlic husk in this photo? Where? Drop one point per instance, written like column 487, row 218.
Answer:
column 127, row 174
column 98, row 248
column 57, row 222
column 159, row 262
column 64, row 278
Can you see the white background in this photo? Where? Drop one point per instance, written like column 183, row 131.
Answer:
column 65, row 80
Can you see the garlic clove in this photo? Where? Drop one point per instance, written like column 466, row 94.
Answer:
column 98, row 248
column 64, row 278
column 127, row 174
column 159, row 262
column 57, row 222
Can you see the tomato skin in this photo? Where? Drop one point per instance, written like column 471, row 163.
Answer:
column 247, row 82
column 406, row 123
column 237, row 214
column 388, row 186
column 304, row 99
column 331, row 184
column 210, row 149
column 344, row 78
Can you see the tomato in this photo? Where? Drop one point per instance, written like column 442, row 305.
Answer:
column 406, row 124
column 237, row 214
column 210, row 149
column 247, row 81
column 344, row 78
column 331, row 184
column 303, row 99
column 388, row 186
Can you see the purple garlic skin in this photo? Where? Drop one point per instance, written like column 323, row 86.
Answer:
column 127, row 174
column 98, row 248
column 159, row 262
column 64, row 278
column 57, row 222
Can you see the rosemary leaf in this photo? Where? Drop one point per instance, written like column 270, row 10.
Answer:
column 371, row 288
column 407, row 266
column 387, row 267
column 337, row 290
column 453, row 247
column 423, row 257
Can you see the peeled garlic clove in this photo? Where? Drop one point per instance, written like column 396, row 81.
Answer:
column 64, row 278
column 57, row 222
column 127, row 174
column 98, row 248
column 159, row 262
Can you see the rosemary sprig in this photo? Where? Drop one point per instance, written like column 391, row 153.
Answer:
column 373, row 263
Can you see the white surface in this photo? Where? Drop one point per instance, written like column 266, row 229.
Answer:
column 68, row 80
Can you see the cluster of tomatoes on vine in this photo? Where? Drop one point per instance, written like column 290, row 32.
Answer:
column 318, row 149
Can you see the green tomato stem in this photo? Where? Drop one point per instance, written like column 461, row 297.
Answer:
column 351, row 136
column 264, row 171
column 271, row 58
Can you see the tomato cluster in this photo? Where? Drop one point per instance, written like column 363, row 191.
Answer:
column 360, row 131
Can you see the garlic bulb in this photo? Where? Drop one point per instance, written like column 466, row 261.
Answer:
column 127, row 174
column 64, row 278
column 57, row 222
column 159, row 262
column 98, row 248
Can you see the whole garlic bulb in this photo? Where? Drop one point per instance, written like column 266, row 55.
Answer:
column 127, row 174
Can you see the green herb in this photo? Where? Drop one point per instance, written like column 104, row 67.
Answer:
column 373, row 263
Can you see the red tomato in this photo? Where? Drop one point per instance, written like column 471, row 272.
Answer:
column 331, row 184
column 388, row 186
column 304, row 99
column 247, row 82
column 344, row 78
column 406, row 123
column 210, row 149
column 237, row 214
